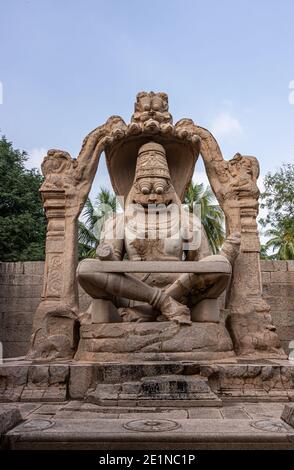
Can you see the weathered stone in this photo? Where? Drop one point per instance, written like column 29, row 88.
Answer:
column 58, row 373
column 204, row 413
column 80, row 380
column 156, row 337
column 272, row 265
column 288, row 414
column 8, row 419
column 282, row 277
column 229, row 412
column 38, row 375
column 290, row 265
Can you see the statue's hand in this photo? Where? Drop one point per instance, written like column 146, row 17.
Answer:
column 105, row 252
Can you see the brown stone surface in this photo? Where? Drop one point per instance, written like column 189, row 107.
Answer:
column 198, row 340
column 171, row 152
column 230, row 380
column 250, row 426
column 288, row 414
column 9, row 418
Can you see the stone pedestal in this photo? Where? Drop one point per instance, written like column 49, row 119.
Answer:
column 154, row 341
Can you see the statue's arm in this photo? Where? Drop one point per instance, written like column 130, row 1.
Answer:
column 113, row 234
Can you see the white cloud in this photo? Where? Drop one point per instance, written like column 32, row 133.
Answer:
column 35, row 157
column 224, row 124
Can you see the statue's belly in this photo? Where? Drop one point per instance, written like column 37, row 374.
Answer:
column 158, row 249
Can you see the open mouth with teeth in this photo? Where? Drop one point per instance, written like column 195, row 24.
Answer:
column 153, row 205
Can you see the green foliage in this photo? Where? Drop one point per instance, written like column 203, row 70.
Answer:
column 278, row 199
column 212, row 216
column 22, row 219
column 93, row 218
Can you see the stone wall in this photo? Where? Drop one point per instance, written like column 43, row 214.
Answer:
column 21, row 287
column 278, row 290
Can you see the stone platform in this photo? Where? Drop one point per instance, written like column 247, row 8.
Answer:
column 85, row 426
column 154, row 341
column 145, row 382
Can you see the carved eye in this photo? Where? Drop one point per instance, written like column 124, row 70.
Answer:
column 159, row 189
column 145, row 188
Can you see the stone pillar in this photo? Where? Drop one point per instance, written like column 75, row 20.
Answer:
column 234, row 184
column 55, row 321
column 64, row 191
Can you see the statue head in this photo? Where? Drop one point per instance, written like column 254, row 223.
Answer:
column 152, row 182
column 150, row 105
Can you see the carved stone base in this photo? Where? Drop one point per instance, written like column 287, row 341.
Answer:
column 164, row 390
column 155, row 341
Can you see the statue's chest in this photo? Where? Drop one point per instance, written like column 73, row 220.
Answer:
column 153, row 241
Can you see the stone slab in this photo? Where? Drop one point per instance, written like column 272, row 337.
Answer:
column 95, row 265
column 9, row 418
column 115, row 434
column 288, row 414
column 153, row 340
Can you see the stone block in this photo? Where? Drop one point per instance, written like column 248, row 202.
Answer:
column 8, row 419
column 279, row 290
column 34, row 267
column 266, row 277
column 21, row 279
column 16, row 326
column 15, row 348
column 80, row 380
column 229, row 412
column 153, row 337
column 20, row 291
column 37, row 394
column 58, row 373
column 273, row 265
column 38, row 375
column 19, row 304
column 290, row 265
column 282, row 277
column 11, row 268
column 204, row 413
column 12, row 382
column 288, row 414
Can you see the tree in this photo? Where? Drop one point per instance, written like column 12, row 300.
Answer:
column 22, row 219
column 212, row 216
column 92, row 220
column 278, row 199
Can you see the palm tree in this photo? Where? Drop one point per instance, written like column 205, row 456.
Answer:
column 93, row 217
column 282, row 239
column 212, row 216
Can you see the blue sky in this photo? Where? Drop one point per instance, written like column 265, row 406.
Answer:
column 66, row 65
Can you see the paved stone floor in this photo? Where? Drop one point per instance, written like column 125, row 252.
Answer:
column 80, row 425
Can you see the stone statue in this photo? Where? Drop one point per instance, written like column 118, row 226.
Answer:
column 155, row 227
column 155, row 286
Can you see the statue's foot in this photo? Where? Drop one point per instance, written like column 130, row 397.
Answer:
column 137, row 314
column 176, row 312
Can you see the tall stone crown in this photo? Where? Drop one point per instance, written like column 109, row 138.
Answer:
column 152, row 162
